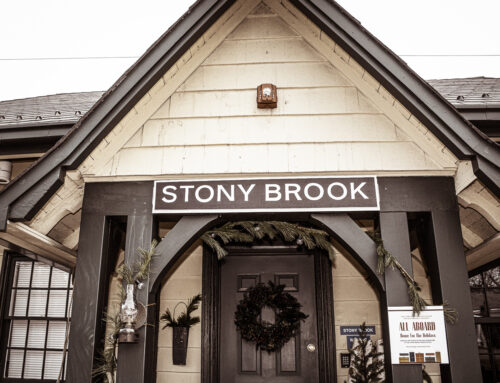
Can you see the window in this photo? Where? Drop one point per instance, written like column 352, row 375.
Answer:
column 485, row 293
column 35, row 321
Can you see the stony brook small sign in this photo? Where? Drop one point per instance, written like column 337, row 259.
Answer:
column 311, row 194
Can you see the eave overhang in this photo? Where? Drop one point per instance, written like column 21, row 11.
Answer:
column 23, row 197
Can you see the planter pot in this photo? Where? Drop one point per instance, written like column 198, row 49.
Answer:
column 179, row 345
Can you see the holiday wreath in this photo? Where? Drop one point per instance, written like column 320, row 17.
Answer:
column 268, row 336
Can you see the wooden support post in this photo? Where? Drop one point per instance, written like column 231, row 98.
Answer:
column 183, row 234
column 91, row 280
column 450, row 259
column 135, row 358
column 395, row 234
column 352, row 238
column 444, row 250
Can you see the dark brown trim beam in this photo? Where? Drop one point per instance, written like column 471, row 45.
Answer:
column 453, row 280
column 136, row 358
column 91, row 283
column 109, row 110
column 444, row 247
column 358, row 243
column 414, row 93
column 177, row 240
column 421, row 99
column 395, row 234
column 103, row 203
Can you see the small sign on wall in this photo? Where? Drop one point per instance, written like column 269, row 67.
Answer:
column 417, row 338
column 352, row 332
column 355, row 330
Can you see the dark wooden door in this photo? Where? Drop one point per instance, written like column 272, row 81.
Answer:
column 240, row 361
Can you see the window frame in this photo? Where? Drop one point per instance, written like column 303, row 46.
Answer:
column 486, row 319
column 6, row 287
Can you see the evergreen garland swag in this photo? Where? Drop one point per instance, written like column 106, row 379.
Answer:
column 268, row 336
column 249, row 231
column 386, row 259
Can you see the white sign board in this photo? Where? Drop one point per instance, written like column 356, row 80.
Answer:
column 417, row 339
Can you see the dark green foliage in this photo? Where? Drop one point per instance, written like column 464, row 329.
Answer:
column 450, row 314
column 140, row 271
column 268, row 336
column 366, row 365
column 184, row 319
column 107, row 361
column 248, row 231
column 106, row 366
column 386, row 259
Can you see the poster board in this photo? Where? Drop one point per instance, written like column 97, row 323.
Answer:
column 417, row 339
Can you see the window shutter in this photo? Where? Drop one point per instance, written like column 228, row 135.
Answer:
column 38, row 312
column 15, row 359
column 33, row 364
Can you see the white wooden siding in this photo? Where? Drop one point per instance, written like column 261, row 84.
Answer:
column 323, row 123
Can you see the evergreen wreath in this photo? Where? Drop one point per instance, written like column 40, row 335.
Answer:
column 268, row 336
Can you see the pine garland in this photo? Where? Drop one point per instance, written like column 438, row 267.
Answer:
column 249, row 231
column 386, row 259
column 105, row 371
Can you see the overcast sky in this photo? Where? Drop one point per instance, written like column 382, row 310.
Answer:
column 38, row 36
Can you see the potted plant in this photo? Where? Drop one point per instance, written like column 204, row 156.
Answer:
column 180, row 328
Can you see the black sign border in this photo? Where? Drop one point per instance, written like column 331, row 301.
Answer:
column 265, row 210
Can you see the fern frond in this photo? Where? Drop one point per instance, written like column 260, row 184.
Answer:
column 214, row 245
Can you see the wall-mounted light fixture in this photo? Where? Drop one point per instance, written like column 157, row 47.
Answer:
column 267, row 96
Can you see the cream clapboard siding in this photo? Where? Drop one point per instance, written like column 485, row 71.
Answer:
column 355, row 302
column 323, row 122
column 200, row 118
column 184, row 283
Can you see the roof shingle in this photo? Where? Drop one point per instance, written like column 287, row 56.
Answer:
column 66, row 108
column 480, row 92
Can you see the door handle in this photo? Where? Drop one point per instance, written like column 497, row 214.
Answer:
column 311, row 347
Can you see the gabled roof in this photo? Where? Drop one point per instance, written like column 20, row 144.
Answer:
column 472, row 92
column 42, row 111
column 35, row 124
column 22, row 198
